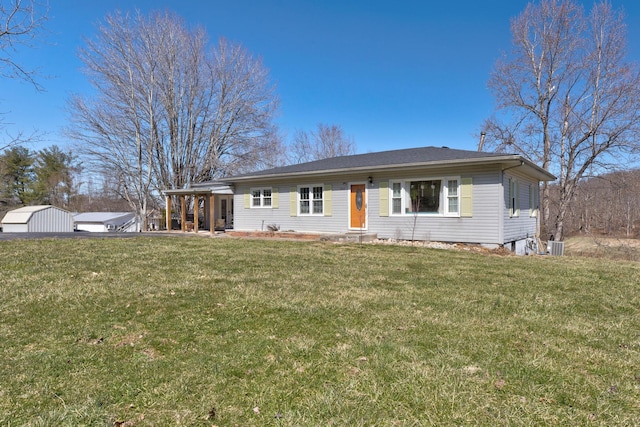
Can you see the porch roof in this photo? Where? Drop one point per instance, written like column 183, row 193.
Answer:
column 201, row 189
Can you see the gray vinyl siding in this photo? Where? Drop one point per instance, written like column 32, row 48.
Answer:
column 484, row 226
column 481, row 227
column 259, row 218
column 524, row 225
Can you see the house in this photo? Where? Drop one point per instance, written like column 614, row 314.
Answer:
column 428, row 193
column 102, row 222
column 37, row 219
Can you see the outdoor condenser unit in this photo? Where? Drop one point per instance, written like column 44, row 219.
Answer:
column 555, row 248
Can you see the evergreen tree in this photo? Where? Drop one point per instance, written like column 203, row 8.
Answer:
column 54, row 177
column 17, row 177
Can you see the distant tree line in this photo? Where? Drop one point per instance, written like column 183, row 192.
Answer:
column 607, row 204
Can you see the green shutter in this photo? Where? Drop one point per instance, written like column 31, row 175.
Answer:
column 293, row 201
column 247, row 199
column 466, row 197
column 274, row 198
column 383, row 191
column 328, row 200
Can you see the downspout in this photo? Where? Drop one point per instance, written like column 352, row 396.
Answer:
column 500, row 209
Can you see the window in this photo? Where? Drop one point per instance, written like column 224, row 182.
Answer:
column 396, row 198
column 514, row 202
column 261, row 197
column 426, row 196
column 452, row 197
column 311, row 200
column 423, row 196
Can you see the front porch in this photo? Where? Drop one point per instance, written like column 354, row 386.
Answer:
column 207, row 206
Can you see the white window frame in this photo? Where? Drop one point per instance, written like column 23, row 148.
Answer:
column 393, row 197
column 311, row 187
column 261, row 198
column 445, row 198
column 448, row 196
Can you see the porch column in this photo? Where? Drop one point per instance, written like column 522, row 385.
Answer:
column 183, row 217
column 212, row 227
column 168, row 212
column 196, row 208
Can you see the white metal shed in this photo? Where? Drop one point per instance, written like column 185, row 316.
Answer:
column 38, row 219
column 102, row 222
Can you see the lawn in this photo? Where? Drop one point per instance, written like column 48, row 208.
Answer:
column 224, row 332
column 603, row 247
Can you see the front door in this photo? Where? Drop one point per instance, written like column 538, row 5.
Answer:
column 358, row 207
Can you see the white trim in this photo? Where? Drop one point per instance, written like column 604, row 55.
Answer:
column 446, row 196
column 366, row 206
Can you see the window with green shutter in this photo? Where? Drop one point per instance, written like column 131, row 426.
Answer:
column 293, row 201
column 383, row 190
column 247, row 199
column 328, row 200
column 466, row 197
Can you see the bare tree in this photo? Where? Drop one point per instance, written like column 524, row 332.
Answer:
column 171, row 110
column 566, row 97
column 21, row 21
column 327, row 141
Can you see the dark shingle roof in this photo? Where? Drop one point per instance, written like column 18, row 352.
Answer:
column 375, row 160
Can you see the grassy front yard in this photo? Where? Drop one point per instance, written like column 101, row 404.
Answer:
column 198, row 331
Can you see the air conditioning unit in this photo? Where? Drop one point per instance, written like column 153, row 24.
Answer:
column 555, row 248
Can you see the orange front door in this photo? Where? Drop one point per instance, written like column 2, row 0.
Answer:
column 358, row 206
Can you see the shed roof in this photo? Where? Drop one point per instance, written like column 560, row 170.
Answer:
column 23, row 214
column 411, row 157
column 101, row 217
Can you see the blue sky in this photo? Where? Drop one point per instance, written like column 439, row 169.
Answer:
column 393, row 74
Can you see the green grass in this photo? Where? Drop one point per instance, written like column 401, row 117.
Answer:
column 225, row 332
